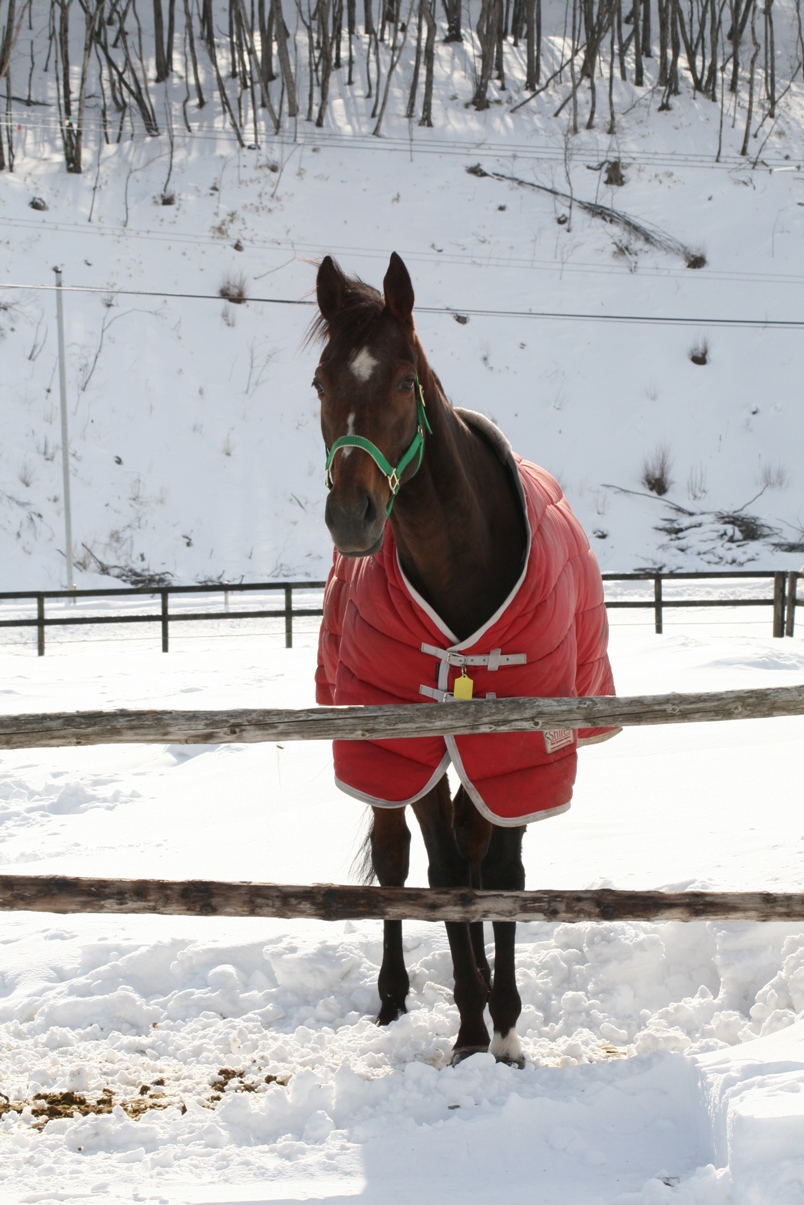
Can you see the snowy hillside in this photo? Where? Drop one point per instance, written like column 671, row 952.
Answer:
column 195, row 451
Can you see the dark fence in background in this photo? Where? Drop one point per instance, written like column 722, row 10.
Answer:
column 782, row 599
column 164, row 617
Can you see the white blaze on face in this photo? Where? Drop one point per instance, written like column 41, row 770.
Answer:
column 350, row 430
column 362, row 364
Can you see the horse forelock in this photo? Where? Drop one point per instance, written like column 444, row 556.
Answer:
column 353, row 325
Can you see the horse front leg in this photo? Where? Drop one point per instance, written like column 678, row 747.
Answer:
column 503, row 871
column 448, row 868
column 390, row 855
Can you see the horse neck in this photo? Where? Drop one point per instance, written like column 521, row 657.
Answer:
column 458, row 523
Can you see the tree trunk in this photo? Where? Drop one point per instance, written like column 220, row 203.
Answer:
column 265, row 24
column 770, row 59
column 323, row 10
column 426, row 118
column 533, row 48
column 453, row 10
column 159, row 43
column 664, row 40
column 690, row 50
column 417, row 62
column 190, row 43
column 751, row 74
column 284, row 58
column 487, row 37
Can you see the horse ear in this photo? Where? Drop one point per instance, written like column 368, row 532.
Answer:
column 330, row 287
column 398, row 290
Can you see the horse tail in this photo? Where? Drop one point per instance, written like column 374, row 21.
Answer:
column 363, row 863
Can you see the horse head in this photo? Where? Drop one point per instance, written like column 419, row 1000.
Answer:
column 372, row 406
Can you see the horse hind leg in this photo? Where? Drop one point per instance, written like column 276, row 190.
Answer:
column 389, row 845
column 503, row 871
column 472, row 835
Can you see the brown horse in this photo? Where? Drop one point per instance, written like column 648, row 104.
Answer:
column 399, row 455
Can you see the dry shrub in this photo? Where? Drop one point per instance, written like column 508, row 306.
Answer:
column 696, row 483
column 234, row 289
column 699, row 352
column 656, row 470
column 773, row 476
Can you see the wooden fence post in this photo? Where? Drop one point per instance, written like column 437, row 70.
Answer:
column 40, row 625
column 657, row 604
column 288, row 617
column 792, row 600
column 164, row 594
column 779, row 585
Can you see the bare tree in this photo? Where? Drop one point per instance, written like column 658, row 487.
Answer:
column 452, row 8
column 282, row 34
column 486, row 30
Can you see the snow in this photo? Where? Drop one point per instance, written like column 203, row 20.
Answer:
column 196, row 1059
column 237, row 1061
column 229, row 385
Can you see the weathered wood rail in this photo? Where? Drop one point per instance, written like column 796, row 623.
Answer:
column 332, row 902
column 248, row 726
column 62, row 894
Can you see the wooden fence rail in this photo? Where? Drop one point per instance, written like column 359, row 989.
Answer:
column 62, row 894
column 249, row 726
column 330, row 901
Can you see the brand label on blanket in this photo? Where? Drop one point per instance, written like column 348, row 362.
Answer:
column 557, row 738
column 463, row 686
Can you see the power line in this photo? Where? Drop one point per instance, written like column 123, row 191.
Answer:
column 472, row 258
column 452, row 312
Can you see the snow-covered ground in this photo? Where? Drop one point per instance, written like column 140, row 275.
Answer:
column 236, row 1061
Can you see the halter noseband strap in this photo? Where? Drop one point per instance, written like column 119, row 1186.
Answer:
column 392, row 475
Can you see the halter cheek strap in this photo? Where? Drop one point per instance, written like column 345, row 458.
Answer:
column 392, row 475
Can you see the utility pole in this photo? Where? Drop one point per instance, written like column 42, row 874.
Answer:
column 65, row 438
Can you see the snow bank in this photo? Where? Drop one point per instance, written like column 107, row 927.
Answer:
column 196, row 1059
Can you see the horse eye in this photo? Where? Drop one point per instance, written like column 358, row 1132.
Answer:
column 318, row 387
column 406, row 384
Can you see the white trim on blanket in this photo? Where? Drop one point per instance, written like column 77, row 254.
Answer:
column 436, row 777
column 479, row 802
column 599, row 739
column 503, row 449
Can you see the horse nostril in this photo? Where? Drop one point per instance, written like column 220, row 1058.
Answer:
column 370, row 513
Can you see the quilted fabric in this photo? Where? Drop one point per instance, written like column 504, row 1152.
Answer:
column 381, row 643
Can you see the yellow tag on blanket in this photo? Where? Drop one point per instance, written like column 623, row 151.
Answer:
column 463, row 686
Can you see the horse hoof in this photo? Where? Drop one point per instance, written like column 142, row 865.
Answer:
column 507, row 1049
column 464, row 1052
column 389, row 1013
column 519, row 1062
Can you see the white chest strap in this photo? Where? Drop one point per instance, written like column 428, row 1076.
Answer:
column 452, row 657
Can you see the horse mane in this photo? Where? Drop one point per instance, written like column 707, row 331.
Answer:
column 352, row 326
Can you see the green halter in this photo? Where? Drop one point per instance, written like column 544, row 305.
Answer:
column 393, row 475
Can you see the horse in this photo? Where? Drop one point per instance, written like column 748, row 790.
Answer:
column 433, row 537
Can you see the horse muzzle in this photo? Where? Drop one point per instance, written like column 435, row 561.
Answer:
column 357, row 524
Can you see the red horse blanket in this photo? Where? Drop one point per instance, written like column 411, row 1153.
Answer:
column 381, row 643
